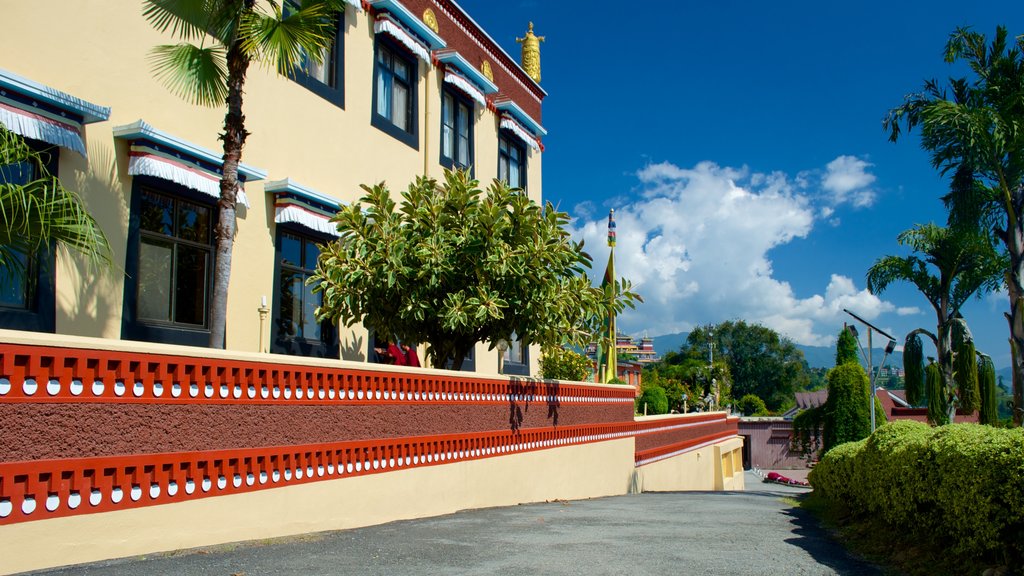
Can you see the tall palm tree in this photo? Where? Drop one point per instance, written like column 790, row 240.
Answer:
column 231, row 35
column 37, row 211
column 975, row 131
column 966, row 263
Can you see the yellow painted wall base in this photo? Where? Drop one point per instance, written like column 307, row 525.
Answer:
column 699, row 469
column 575, row 472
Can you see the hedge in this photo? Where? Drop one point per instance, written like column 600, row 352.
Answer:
column 958, row 488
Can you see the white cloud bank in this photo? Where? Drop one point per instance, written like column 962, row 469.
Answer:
column 696, row 242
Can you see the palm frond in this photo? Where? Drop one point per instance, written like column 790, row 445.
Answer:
column 186, row 19
column 285, row 38
column 197, row 74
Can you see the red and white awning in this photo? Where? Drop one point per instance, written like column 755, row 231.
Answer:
column 388, row 25
column 295, row 204
column 509, row 123
column 160, row 155
column 466, row 86
column 39, row 112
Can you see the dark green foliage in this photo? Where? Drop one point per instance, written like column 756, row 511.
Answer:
column 759, row 361
column 958, row 488
column 913, row 367
column 655, row 399
column 846, row 347
column 557, row 363
column 965, row 367
column 751, row 405
column 988, row 412
column 937, row 403
column 847, row 414
column 807, row 432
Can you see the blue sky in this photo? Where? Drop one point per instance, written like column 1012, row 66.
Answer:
column 741, row 146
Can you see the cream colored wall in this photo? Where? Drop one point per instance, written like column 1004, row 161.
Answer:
column 575, row 472
column 699, row 469
column 102, row 56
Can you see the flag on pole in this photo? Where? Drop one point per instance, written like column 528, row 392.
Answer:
column 606, row 358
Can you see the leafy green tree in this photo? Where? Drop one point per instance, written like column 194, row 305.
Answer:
column 36, row 210
column 453, row 265
column 938, row 404
column 847, row 416
column 988, row 412
column 973, row 131
column 966, row 264
column 751, row 405
column 654, row 399
column 846, row 348
column 759, row 361
column 231, row 35
column 913, row 369
column 558, row 363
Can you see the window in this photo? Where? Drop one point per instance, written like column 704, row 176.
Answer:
column 511, row 161
column 327, row 78
column 394, row 92
column 27, row 295
column 295, row 329
column 170, row 264
column 456, row 131
column 517, row 358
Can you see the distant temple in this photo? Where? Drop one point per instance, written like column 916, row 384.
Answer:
column 642, row 349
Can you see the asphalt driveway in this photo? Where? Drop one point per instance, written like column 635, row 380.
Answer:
column 757, row 532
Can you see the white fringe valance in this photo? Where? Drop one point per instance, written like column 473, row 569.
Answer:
column 466, row 86
column 37, row 127
column 295, row 214
column 516, row 128
column 191, row 177
column 357, row 4
column 392, row 28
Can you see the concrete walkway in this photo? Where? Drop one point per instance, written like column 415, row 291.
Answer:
column 757, row 532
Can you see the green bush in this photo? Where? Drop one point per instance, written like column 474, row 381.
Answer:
column 958, row 488
column 847, row 414
column 807, row 432
column 655, row 398
column 557, row 363
column 751, row 405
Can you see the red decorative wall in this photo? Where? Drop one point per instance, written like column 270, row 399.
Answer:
column 88, row 431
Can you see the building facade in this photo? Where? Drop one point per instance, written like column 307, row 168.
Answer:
column 409, row 88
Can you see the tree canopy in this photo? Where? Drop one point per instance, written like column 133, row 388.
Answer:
column 453, row 265
column 973, row 130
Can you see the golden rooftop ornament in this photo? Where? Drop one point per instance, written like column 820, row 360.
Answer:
column 531, row 53
column 485, row 69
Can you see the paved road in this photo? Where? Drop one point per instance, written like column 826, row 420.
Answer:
column 750, row 533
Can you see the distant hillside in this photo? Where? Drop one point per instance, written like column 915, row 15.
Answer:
column 817, row 356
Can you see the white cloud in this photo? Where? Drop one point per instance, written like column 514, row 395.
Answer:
column 696, row 243
column 908, row 310
column 847, row 180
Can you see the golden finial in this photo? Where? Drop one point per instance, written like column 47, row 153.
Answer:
column 430, row 20
column 531, row 53
column 485, row 69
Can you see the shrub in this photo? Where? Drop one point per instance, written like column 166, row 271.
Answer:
column 847, row 415
column 958, row 488
column 557, row 363
column 751, row 405
column 807, row 432
column 654, row 397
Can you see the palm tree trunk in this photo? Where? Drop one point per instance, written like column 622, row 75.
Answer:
column 1016, row 320
column 224, row 232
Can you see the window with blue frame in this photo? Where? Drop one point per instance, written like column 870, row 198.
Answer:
column 511, row 160
column 169, row 264
column 294, row 328
column 456, row 130
column 326, row 78
column 516, row 358
column 394, row 92
column 27, row 291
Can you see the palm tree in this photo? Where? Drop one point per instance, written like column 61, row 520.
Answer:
column 966, row 263
column 976, row 132
column 232, row 34
column 37, row 211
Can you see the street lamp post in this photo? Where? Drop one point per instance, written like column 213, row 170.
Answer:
column 872, row 376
